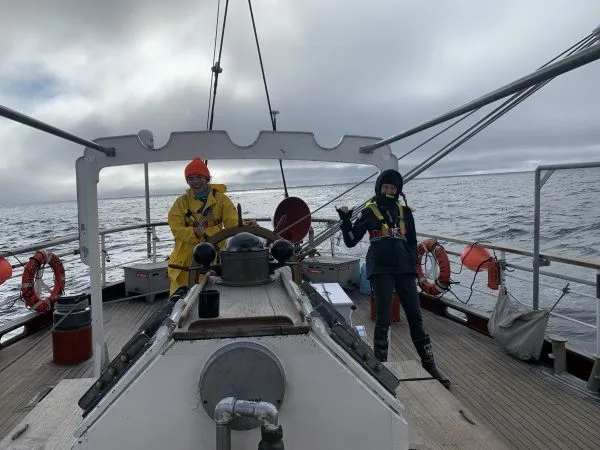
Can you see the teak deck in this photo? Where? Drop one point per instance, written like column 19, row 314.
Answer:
column 491, row 391
column 531, row 410
column 27, row 372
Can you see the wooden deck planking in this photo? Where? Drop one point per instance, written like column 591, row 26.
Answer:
column 510, row 399
column 50, row 425
column 478, row 379
column 494, row 385
column 402, row 348
column 548, row 401
column 26, row 367
column 487, row 381
column 428, row 402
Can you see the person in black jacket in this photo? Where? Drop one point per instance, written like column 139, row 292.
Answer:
column 391, row 263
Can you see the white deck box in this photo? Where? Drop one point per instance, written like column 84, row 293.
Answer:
column 337, row 296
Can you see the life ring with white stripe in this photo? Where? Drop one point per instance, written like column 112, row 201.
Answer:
column 442, row 283
column 32, row 272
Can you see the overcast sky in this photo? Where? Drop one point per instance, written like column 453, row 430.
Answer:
column 98, row 68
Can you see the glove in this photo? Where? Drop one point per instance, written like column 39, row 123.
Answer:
column 344, row 213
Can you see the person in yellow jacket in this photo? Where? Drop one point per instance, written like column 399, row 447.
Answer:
column 202, row 211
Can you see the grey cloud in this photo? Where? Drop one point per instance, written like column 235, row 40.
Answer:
column 335, row 68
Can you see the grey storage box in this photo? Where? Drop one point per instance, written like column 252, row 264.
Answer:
column 146, row 278
column 337, row 269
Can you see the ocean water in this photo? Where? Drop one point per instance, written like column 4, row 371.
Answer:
column 496, row 208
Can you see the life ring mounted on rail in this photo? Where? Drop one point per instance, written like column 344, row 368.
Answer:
column 31, row 273
column 440, row 284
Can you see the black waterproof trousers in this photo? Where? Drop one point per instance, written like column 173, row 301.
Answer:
column 406, row 287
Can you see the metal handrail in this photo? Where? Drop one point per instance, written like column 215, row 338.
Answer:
column 105, row 231
column 580, row 262
column 452, row 239
column 538, row 257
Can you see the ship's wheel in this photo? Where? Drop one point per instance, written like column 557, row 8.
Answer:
column 259, row 231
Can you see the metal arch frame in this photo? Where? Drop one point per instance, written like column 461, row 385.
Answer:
column 181, row 146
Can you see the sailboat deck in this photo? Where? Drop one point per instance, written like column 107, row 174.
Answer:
column 27, row 372
column 528, row 409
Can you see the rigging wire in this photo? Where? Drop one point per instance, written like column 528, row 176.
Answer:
column 468, row 134
column 216, row 68
column 212, row 75
column 262, row 67
column 583, row 43
column 513, row 101
column 272, row 113
column 456, row 122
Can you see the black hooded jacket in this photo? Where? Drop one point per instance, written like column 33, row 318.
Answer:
column 385, row 255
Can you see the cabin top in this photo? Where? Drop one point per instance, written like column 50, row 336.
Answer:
column 266, row 309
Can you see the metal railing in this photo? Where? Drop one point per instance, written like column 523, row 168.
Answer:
column 539, row 259
column 548, row 257
column 160, row 247
column 106, row 250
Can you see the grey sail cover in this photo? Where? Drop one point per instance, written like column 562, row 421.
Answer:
column 520, row 331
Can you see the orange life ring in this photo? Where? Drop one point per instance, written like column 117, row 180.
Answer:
column 442, row 283
column 30, row 274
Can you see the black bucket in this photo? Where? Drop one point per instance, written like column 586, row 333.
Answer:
column 208, row 304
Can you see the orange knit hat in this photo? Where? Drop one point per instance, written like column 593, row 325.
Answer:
column 197, row 167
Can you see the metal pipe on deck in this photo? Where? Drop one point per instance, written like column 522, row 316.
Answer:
column 558, row 68
column 223, row 417
column 536, row 240
column 223, row 436
column 598, row 312
column 593, row 383
column 229, row 407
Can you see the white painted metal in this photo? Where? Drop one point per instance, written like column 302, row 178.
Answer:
column 325, row 405
column 334, row 293
column 213, row 145
column 87, row 171
column 185, row 146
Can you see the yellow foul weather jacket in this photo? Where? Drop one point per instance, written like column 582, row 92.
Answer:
column 218, row 213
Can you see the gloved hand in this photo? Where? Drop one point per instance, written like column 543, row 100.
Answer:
column 344, row 213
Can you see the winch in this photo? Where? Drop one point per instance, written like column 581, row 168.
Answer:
column 245, row 261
